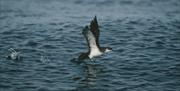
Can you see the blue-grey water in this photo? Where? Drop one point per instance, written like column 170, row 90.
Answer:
column 144, row 35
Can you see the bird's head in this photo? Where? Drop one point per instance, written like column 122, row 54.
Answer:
column 108, row 49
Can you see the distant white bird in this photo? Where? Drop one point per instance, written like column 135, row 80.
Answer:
column 13, row 55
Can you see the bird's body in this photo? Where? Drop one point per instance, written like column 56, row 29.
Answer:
column 91, row 33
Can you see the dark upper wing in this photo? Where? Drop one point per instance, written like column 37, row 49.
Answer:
column 94, row 28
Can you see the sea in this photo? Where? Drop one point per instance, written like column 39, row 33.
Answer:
column 47, row 35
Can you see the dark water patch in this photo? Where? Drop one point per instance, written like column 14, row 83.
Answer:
column 30, row 24
column 126, row 2
column 31, row 43
column 176, row 23
column 3, row 17
column 48, row 46
column 55, row 24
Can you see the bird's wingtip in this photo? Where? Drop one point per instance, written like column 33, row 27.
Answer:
column 95, row 18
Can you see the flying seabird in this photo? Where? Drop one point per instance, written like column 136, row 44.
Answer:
column 91, row 34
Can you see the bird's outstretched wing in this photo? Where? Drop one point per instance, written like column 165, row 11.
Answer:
column 90, row 38
column 94, row 28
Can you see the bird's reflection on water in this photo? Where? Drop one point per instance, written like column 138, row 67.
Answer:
column 91, row 71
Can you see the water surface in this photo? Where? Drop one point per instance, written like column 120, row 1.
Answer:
column 144, row 35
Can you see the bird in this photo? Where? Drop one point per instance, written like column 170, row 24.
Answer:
column 13, row 55
column 91, row 34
